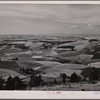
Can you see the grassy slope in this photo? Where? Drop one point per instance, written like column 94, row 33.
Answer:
column 5, row 73
column 71, row 87
column 63, row 68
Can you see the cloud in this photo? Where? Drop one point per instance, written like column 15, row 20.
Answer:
column 64, row 12
column 40, row 19
column 89, row 26
column 73, row 26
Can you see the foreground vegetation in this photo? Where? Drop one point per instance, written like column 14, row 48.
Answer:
column 36, row 80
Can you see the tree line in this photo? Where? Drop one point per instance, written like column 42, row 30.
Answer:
column 12, row 84
column 36, row 80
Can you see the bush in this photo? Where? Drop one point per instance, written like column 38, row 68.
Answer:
column 2, row 81
column 74, row 78
column 14, row 83
column 63, row 76
column 10, row 85
column 18, row 83
column 87, row 71
column 94, row 74
column 27, row 70
column 55, row 81
column 35, row 80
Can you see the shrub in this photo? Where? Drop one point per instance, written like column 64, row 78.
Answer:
column 74, row 78
column 55, row 81
column 14, row 83
column 35, row 80
column 63, row 76
column 18, row 83
column 94, row 74
column 2, row 81
column 10, row 85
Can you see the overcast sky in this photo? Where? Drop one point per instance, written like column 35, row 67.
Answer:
column 50, row 19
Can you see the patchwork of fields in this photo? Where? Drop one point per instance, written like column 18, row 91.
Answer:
column 48, row 57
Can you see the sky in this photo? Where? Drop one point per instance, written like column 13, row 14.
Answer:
column 50, row 19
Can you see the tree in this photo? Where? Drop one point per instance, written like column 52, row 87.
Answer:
column 94, row 74
column 18, row 83
column 35, row 80
column 74, row 78
column 27, row 71
column 31, row 71
column 45, row 46
column 22, row 70
column 2, row 81
column 63, row 76
column 10, row 85
column 55, row 81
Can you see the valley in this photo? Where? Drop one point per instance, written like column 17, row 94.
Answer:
column 48, row 57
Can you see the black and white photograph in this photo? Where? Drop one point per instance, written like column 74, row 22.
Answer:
column 50, row 47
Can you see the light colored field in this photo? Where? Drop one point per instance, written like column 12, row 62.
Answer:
column 36, row 45
column 82, row 46
column 29, row 64
column 5, row 73
column 69, row 53
column 86, row 59
column 96, row 65
column 83, row 58
column 63, row 68
column 23, row 57
column 13, row 50
column 3, row 47
column 48, row 63
column 73, row 43
column 79, row 47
